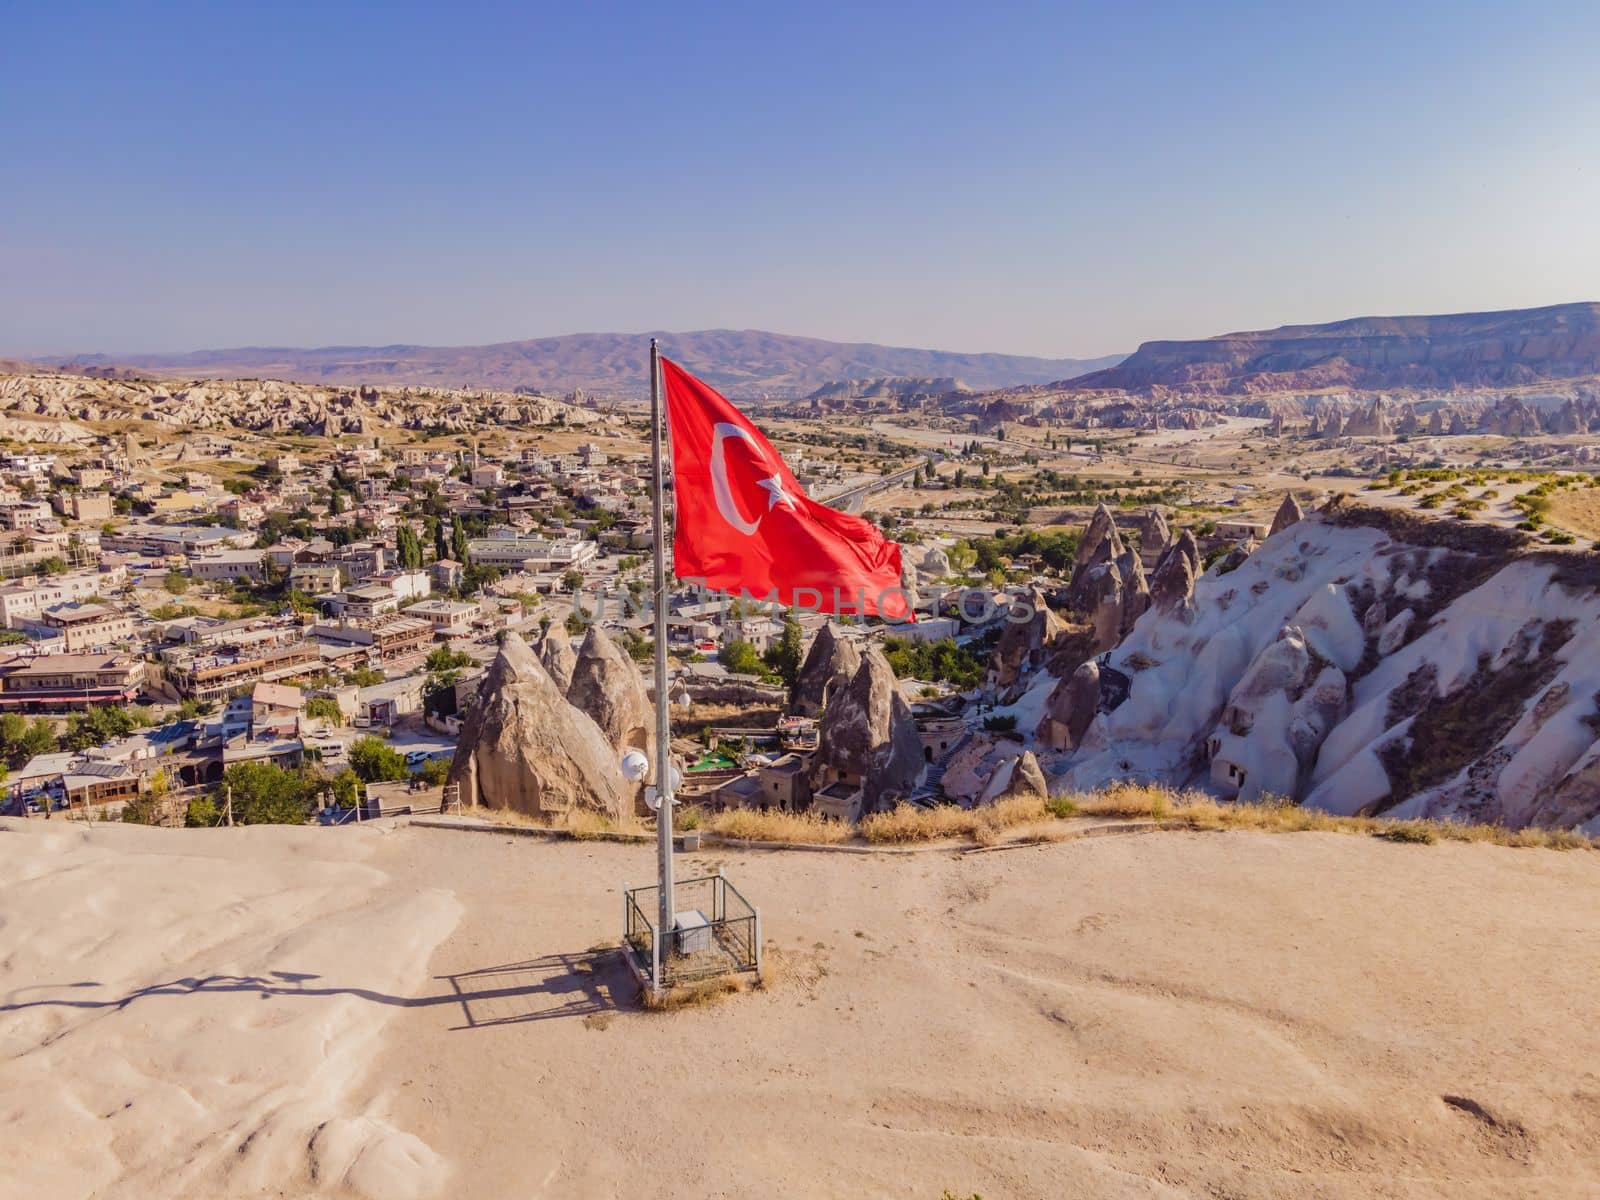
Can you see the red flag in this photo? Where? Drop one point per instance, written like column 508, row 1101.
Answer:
column 744, row 525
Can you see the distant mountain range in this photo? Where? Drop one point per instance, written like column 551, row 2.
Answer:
column 1492, row 349
column 743, row 363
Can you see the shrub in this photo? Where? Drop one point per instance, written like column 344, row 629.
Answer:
column 375, row 761
column 324, row 708
column 435, row 771
column 202, row 813
column 1411, row 832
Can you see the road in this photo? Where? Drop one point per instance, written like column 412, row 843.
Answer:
column 851, row 498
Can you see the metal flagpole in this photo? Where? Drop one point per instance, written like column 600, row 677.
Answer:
column 663, row 765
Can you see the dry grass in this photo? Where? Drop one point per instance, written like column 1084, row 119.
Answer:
column 1198, row 811
column 773, row 825
column 1577, row 512
column 1029, row 820
column 982, row 825
column 702, row 992
column 579, row 823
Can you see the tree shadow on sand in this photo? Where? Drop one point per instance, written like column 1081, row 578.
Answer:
column 552, row 987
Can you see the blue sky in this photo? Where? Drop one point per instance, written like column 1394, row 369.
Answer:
column 1059, row 179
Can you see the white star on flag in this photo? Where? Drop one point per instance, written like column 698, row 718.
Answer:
column 776, row 494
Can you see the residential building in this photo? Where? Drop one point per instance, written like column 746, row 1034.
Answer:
column 447, row 574
column 23, row 515
column 56, row 682
column 83, row 506
column 275, row 710
column 390, row 636
column 530, row 553
column 449, row 618
column 87, row 626
column 209, row 675
column 316, row 578
column 32, row 594
column 365, row 602
column 228, row 565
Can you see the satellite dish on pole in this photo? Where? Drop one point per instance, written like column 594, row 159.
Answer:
column 635, row 766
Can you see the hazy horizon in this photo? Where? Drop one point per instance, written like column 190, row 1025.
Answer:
column 1041, row 181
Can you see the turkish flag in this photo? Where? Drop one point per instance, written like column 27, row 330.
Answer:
column 744, row 525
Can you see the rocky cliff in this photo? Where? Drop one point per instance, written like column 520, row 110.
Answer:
column 1492, row 349
column 1358, row 661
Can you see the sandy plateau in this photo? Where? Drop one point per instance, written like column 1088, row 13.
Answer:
column 401, row 1012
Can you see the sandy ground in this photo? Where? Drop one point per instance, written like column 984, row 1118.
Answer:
column 405, row 1012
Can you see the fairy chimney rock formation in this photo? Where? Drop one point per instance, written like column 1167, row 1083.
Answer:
column 867, row 736
column 1289, row 513
column 557, row 657
column 830, row 663
column 523, row 747
column 608, row 686
column 1172, row 583
column 1025, row 645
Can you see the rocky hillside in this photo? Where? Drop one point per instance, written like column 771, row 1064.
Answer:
column 41, row 406
column 1495, row 349
column 1357, row 660
column 744, row 363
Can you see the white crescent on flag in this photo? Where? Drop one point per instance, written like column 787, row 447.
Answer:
column 719, row 476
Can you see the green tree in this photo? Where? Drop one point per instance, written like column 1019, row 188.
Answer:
column 442, row 659
column 741, row 658
column 191, row 709
column 408, row 547
column 943, row 659
column 435, row 771
column 375, row 761
column 176, row 582
column 267, row 794
column 784, row 658
column 202, row 813
column 97, row 727
column 346, row 788
column 21, row 739
column 458, row 540
column 325, row 708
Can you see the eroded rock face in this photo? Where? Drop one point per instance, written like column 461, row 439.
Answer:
column 1099, row 596
column 1025, row 645
column 1289, row 513
column 1172, row 583
column 608, row 686
column 867, row 735
column 1101, row 541
column 1275, row 720
column 1071, row 707
column 1155, row 535
column 523, row 747
column 1135, row 592
column 557, row 656
column 935, row 563
column 1016, row 779
column 830, row 664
